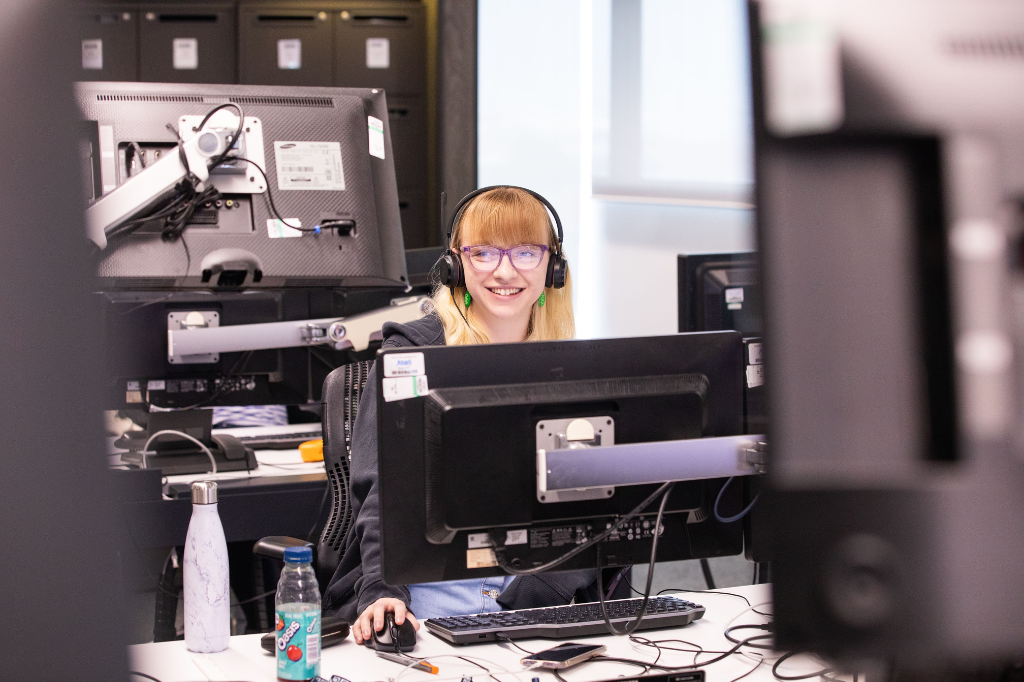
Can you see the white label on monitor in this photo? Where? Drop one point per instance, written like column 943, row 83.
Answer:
column 155, row 385
column 404, row 365
column 403, row 388
column 186, row 53
column 92, row 55
column 478, row 540
column 278, row 230
column 755, row 375
column 309, row 165
column 734, row 306
column 289, row 54
column 378, row 53
column 481, row 558
column 734, row 295
column 376, row 129
column 754, row 354
column 516, row 537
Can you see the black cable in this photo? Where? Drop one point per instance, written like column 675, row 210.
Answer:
column 792, row 678
column 723, row 655
column 452, row 292
column 612, row 659
column 675, row 589
column 148, row 677
column 508, row 640
column 737, row 679
column 270, row 198
column 231, row 140
column 499, row 549
column 655, row 534
column 256, row 598
column 558, row 676
column 759, row 626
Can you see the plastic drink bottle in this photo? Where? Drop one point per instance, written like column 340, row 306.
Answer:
column 298, row 617
column 206, row 584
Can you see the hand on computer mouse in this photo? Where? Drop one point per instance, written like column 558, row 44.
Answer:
column 372, row 618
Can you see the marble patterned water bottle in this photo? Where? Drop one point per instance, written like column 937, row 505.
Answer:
column 206, row 583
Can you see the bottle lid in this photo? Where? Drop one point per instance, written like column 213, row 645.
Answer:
column 298, row 555
column 204, row 492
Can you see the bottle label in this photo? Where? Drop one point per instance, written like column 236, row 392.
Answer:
column 298, row 644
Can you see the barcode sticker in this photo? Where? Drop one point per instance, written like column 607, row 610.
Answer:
column 375, row 126
column 403, row 388
column 309, row 165
column 313, row 648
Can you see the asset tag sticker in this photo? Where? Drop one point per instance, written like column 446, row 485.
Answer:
column 478, row 540
column 755, row 375
column 156, row 385
column 404, row 365
column 515, row 537
column 734, row 295
column 376, row 130
column 481, row 558
column 754, row 353
column 277, row 229
column 309, row 165
column 403, row 388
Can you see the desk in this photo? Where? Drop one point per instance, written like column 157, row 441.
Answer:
column 245, row 660
column 281, row 496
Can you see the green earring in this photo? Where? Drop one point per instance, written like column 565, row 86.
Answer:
column 469, row 299
column 543, row 299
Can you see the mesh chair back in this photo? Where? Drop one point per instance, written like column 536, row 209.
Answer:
column 340, row 401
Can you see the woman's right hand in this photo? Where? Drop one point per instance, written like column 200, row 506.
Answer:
column 373, row 617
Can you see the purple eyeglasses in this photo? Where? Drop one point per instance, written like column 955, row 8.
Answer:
column 487, row 258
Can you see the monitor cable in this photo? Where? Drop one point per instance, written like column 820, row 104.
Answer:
column 146, row 451
column 505, row 565
column 656, row 532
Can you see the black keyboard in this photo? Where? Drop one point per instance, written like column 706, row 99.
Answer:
column 558, row 622
column 279, row 441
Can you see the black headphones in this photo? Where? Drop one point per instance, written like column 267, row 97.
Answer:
column 449, row 266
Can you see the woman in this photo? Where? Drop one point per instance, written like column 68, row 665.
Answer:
column 504, row 300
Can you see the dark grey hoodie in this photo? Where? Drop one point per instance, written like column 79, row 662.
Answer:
column 358, row 581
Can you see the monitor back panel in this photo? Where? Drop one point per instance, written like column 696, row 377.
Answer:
column 410, row 558
column 372, row 255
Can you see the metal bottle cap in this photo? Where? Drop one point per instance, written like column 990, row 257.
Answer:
column 204, row 492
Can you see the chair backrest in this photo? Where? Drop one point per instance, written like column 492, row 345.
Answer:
column 340, row 402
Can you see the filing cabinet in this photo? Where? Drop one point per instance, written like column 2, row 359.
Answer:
column 285, row 43
column 187, row 43
column 381, row 45
column 108, row 34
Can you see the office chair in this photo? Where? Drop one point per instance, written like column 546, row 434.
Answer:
column 340, row 402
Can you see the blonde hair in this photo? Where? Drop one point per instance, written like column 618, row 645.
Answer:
column 506, row 216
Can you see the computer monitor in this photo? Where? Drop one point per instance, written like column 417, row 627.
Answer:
column 890, row 176
column 327, row 156
column 719, row 291
column 462, row 461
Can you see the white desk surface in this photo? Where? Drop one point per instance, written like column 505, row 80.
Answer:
column 245, row 660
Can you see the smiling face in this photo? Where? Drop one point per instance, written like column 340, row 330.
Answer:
column 503, row 299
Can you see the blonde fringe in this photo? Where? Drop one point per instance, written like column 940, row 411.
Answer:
column 506, row 216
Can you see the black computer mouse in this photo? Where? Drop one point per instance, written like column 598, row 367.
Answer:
column 385, row 640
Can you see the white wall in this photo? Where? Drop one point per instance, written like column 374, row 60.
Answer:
column 545, row 122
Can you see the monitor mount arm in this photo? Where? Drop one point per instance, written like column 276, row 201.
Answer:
column 198, row 148
column 196, row 338
column 593, row 471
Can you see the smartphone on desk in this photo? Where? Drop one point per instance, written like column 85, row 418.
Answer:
column 564, row 655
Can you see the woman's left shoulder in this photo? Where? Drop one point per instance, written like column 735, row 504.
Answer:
column 426, row 331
